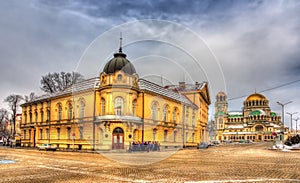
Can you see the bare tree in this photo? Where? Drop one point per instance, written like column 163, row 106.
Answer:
column 3, row 119
column 3, row 116
column 13, row 102
column 55, row 82
column 4, row 132
column 30, row 97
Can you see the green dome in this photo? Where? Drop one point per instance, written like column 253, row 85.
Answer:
column 273, row 114
column 119, row 63
column 257, row 112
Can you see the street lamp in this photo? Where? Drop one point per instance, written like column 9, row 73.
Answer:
column 282, row 113
column 296, row 124
column 291, row 114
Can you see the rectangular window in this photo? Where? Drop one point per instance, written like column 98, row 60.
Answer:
column 154, row 135
column 193, row 137
column 47, row 133
column 69, row 133
column 186, row 136
column 58, row 133
column 81, row 132
column 24, row 135
column 175, row 136
column 165, row 135
column 41, row 134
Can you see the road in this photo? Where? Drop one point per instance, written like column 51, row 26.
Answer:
column 225, row 163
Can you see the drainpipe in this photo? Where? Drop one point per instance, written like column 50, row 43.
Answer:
column 182, row 127
column 94, row 117
column 143, row 116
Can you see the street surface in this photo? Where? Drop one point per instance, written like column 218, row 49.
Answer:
column 225, row 163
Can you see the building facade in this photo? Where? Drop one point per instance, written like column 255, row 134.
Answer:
column 255, row 122
column 115, row 109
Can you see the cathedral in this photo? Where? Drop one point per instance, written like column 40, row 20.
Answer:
column 115, row 109
column 256, row 121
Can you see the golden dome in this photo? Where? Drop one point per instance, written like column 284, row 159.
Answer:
column 256, row 96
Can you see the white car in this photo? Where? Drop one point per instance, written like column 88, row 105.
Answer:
column 47, row 147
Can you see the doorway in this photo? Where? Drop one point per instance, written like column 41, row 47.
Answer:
column 118, row 138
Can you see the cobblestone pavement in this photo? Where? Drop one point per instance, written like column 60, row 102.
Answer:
column 225, row 163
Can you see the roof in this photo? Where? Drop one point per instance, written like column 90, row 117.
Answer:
column 257, row 112
column 187, row 87
column 236, row 126
column 77, row 87
column 166, row 92
column 119, row 63
column 143, row 85
column 256, row 96
column 235, row 114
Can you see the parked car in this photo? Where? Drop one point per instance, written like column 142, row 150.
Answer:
column 202, row 145
column 227, row 141
column 47, row 147
column 215, row 142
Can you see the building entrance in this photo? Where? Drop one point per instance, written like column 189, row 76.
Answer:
column 259, row 137
column 118, row 138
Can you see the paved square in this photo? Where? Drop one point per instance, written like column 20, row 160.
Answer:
column 225, row 163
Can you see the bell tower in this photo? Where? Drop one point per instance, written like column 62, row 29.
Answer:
column 221, row 109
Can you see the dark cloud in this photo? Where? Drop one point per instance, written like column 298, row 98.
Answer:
column 256, row 42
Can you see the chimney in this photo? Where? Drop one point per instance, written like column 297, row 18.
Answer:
column 197, row 85
column 181, row 85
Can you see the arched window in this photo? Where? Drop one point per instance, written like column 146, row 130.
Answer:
column 36, row 116
column 119, row 102
column 81, row 109
column 48, row 115
column 193, row 119
column 25, row 116
column 70, row 112
column 259, row 128
column 175, row 115
column 165, row 111
column 154, row 111
column 134, row 138
column 42, row 116
column 134, row 104
column 187, row 117
column 103, row 106
column 59, row 113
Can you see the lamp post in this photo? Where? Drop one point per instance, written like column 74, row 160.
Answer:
column 282, row 113
column 291, row 114
column 296, row 124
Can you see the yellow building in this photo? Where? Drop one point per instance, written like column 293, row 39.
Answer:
column 256, row 122
column 116, row 108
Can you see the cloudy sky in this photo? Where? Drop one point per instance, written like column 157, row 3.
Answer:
column 237, row 46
